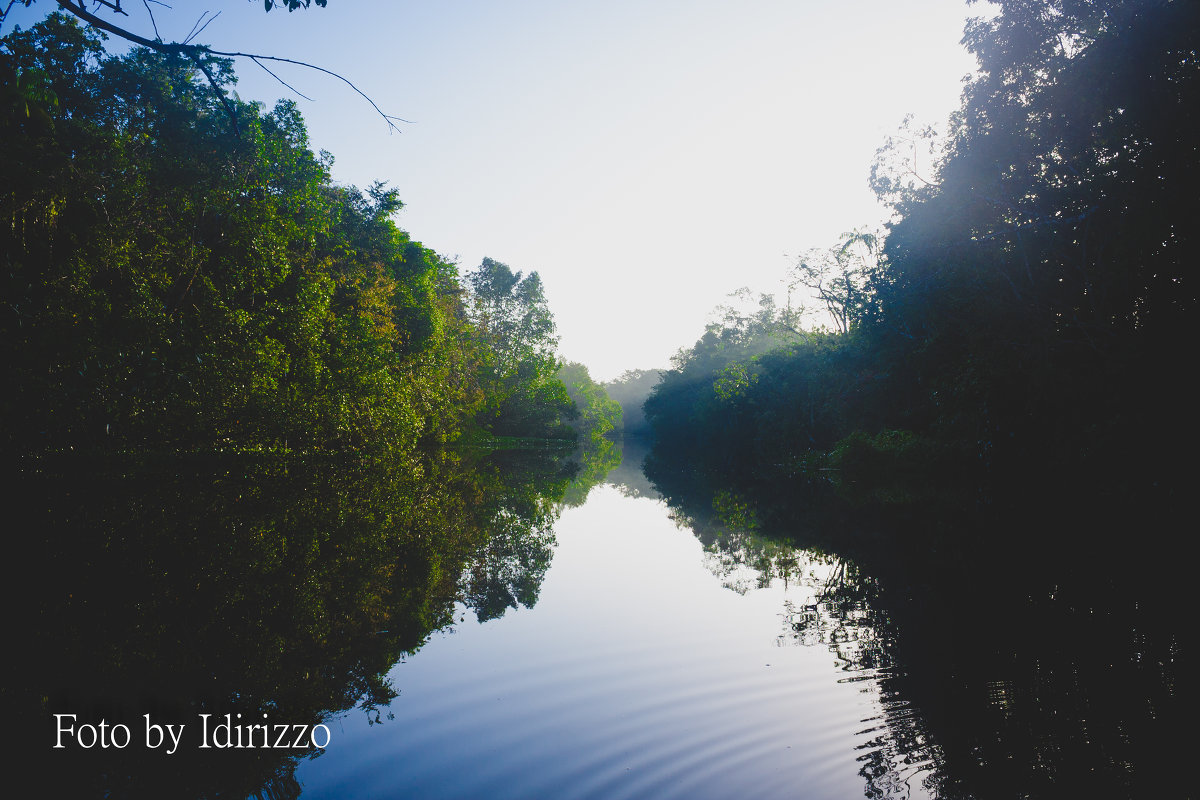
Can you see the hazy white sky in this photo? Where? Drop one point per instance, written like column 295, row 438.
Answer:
column 646, row 157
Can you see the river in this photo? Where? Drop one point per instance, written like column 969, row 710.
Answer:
column 640, row 672
column 519, row 625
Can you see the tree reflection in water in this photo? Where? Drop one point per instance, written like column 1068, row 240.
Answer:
column 254, row 585
column 831, row 603
column 1017, row 653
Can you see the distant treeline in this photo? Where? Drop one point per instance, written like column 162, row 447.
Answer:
column 630, row 390
column 1025, row 320
column 171, row 282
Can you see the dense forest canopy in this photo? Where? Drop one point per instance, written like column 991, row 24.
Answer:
column 519, row 364
column 599, row 414
column 186, row 300
column 168, row 283
column 229, row 383
column 1025, row 313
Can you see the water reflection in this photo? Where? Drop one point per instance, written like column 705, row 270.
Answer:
column 1025, row 651
column 628, row 476
column 828, row 602
column 754, row 641
column 278, row 589
column 637, row 675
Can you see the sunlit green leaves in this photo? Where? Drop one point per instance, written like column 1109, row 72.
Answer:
column 174, row 285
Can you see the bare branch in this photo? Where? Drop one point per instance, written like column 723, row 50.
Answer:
column 153, row 24
column 115, row 7
column 104, row 25
column 195, row 25
column 387, row 117
column 195, row 51
column 202, row 27
column 8, row 8
column 281, row 80
column 229, row 109
column 194, row 33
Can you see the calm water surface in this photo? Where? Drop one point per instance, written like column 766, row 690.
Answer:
column 506, row 625
column 649, row 667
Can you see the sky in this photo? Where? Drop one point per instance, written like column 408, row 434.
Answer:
column 646, row 157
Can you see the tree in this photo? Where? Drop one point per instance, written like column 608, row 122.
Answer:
column 168, row 285
column 199, row 54
column 599, row 415
column 1055, row 251
column 841, row 276
column 630, row 389
column 520, row 364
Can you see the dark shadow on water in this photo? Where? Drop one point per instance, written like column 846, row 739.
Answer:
column 278, row 589
column 628, row 476
column 1028, row 649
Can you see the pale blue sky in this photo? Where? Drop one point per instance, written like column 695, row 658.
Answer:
column 647, row 158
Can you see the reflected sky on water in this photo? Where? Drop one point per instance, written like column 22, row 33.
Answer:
column 639, row 673
column 558, row 637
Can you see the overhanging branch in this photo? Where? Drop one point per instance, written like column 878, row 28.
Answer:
column 194, row 52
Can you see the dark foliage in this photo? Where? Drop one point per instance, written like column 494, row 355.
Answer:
column 1026, row 319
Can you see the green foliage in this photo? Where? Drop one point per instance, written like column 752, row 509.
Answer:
column 598, row 414
column 169, row 285
column 758, row 390
column 518, row 365
column 733, row 382
column 703, row 391
column 596, row 459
